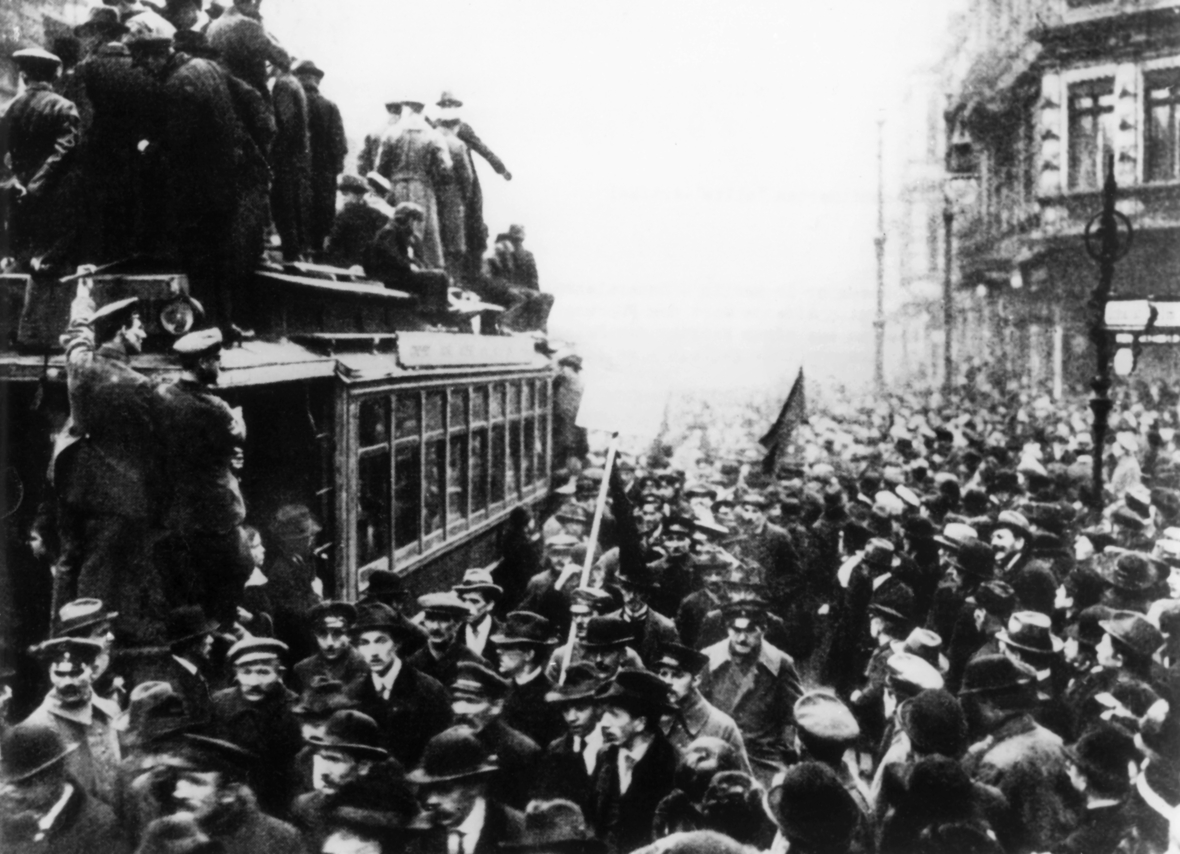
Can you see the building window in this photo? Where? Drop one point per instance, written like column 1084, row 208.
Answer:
column 1091, row 132
column 433, row 462
column 1160, row 136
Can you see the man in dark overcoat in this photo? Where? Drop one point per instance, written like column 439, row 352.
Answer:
column 203, row 439
column 523, row 647
column 355, row 226
column 443, row 615
column 244, row 45
column 567, row 768
column 649, row 628
column 409, row 707
column 636, row 767
column 189, row 669
column 39, row 134
column 106, row 468
column 329, row 147
column 290, row 164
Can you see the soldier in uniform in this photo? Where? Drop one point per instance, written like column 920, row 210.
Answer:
column 39, row 133
column 336, row 659
column 203, row 439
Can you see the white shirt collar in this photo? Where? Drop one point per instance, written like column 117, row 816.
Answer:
column 472, row 826
column 477, row 634
column 528, row 677
column 384, row 684
column 186, row 664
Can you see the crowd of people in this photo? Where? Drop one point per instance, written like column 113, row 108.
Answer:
column 182, row 137
column 921, row 632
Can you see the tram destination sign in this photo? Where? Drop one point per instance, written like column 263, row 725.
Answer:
column 443, row 349
column 1135, row 316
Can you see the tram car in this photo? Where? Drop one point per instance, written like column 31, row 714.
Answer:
column 410, row 433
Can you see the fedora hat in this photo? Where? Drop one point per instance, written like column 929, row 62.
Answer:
column 893, row 601
column 74, row 617
column 29, row 748
column 637, row 690
column 186, row 623
column 479, row 581
column 308, row 67
column 1031, row 631
column 1131, row 571
column 156, row 712
column 995, row 674
column 448, row 99
column 607, row 631
column 351, row 732
column 556, row 825
column 453, row 754
column 322, row 698
column 925, row 644
column 581, row 683
column 525, row 627
column 384, row 582
column 371, row 616
column 1134, row 632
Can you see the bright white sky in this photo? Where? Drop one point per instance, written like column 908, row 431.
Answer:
column 698, row 179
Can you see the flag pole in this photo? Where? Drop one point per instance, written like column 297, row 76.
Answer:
column 612, row 450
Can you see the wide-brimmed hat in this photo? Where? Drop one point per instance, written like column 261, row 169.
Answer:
column 975, row 558
column 894, row 601
column 156, row 713
column 36, row 58
column 581, row 683
column 926, row 645
column 1131, row 571
column 453, row 754
column 308, row 67
column 385, row 582
column 479, row 581
column 525, row 628
column 554, row 826
column 1031, row 631
column 74, row 617
column 29, row 748
column 636, row 690
column 934, row 722
column 1133, row 631
column 352, row 732
column 322, row 698
column 995, row 674
column 607, row 631
column 186, row 623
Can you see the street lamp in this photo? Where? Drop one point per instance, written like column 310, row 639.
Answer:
column 958, row 192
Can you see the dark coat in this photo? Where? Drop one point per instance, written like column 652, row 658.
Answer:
column 677, row 579
column 84, row 826
column 329, row 147
column 444, row 669
column 1100, row 832
column 193, row 689
column 200, row 436
column 541, row 596
column 245, row 47
column 518, row 757
column 38, row 133
column 352, row 232
column 350, row 669
column 268, row 729
column 525, row 710
column 691, row 615
column 624, row 821
column 290, row 162
column 502, row 824
column 477, row 230
column 418, row 709
column 655, row 629
column 242, row 828
column 562, row 774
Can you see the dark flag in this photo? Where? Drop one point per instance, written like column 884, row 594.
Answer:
column 793, row 413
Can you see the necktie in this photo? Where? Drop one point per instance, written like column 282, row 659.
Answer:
column 455, row 842
column 579, row 745
column 625, row 776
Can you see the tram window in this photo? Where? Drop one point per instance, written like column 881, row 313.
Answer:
column 479, row 470
column 542, row 443
column 542, row 394
column 514, row 470
column 372, row 507
column 457, row 480
column 432, row 498
column 498, row 401
column 528, row 395
column 530, row 445
column 499, row 463
column 514, row 398
column 479, row 405
column 407, row 494
column 434, row 411
column 407, row 414
column 373, row 418
column 458, row 408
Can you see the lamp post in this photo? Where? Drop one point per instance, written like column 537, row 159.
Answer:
column 879, row 242
column 958, row 191
column 1105, row 245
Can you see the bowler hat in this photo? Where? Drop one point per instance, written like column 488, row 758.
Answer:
column 474, row 679
column 975, row 558
column 556, row 825
column 604, row 632
column 352, row 732
column 385, row 582
column 372, row 616
column 211, row 752
column 680, row 657
column 813, row 809
column 893, row 601
column 156, row 712
column 323, row 697
column 375, row 804
column 525, row 627
column 1132, row 572
column 822, row 715
column 453, row 754
column 918, row 528
column 103, row 20
column 925, row 644
column 27, row 748
column 74, row 617
column 581, row 683
column 1031, row 631
column 995, row 674
column 479, row 581
column 636, row 690
column 448, row 99
column 1134, row 632
column 308, row 67
column 186, row 623
column 934, row 722
column 1103, row 753
column 344, row 611
column 445, row 604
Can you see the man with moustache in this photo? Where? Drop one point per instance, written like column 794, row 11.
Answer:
column 85, row 722
column 443, row 614
column 478, row 703
column 336, row 660
column 607, row 645
column 408, row 706
column 480, row 593
column 1010, row 536
column 257, row 714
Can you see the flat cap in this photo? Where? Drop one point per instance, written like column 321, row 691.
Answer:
column 445, row 604
column 250, row 650
column 680, row 657
column 35, row 56
column 201, row 341
column 821, row 714
column 909, row 674
column 475, row 680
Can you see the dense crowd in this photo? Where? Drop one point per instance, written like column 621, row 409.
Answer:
column 919, row 633
column 177, row 137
